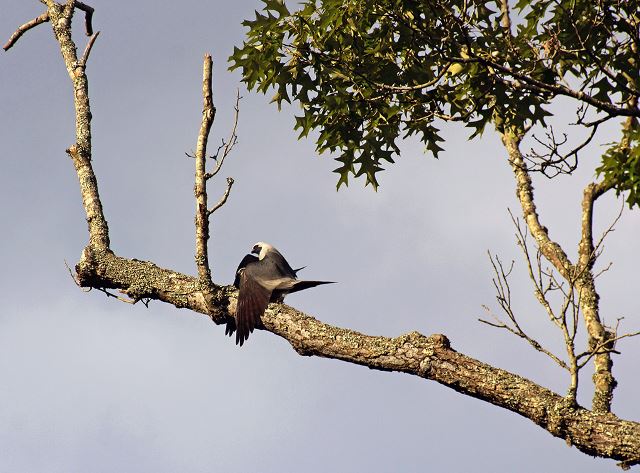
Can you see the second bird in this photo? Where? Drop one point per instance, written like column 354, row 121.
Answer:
column 261, row 279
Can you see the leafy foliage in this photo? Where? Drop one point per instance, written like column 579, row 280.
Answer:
column 621, row 165
column 369, row 73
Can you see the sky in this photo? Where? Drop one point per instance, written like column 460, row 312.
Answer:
column 88, row 383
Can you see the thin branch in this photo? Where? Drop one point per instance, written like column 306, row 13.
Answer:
column 223, row 199
column 409, row 88
column 24, row 28
column 539, row 290
column 556, row 89
column 504, row 300
column 604, row 347
column 87, row 50
column 121, row 299
column 80, row 151
column 88, row 16
column 216, row 154
column 602, row 67
column 553, row 159
column 231, row 142
column 560, row 321
column 535, row 344
column 598, row 247
column 75, row 279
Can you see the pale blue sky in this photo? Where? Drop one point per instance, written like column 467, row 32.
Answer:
column 89, row 384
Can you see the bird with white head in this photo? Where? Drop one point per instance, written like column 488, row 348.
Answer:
column 261, row 279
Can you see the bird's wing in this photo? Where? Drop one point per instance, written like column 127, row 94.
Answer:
column 243, row 264
column 278, row 266
column 231, row 322
column 253, row 299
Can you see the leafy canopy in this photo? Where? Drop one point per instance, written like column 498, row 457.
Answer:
column 367, row 73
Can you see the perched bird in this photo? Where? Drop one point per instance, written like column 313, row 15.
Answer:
column 261, row 279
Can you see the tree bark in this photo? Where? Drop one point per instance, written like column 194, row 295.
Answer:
column 578, row 275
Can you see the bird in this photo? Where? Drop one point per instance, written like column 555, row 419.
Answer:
column 263, row 276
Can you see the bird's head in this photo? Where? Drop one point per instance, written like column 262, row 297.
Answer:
column 261, row 249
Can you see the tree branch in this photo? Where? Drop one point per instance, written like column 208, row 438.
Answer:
column 24, row 28
column 579, row 275
column 558, row 89
column 87, row 50
column 200, row 190
column 551, row 250
column 80, row 152
column 505, row 20
column 223, row 199
column 427, row 357
column 88, row 16
column 227, row 146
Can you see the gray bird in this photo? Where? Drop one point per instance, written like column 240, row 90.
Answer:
column 261, row 279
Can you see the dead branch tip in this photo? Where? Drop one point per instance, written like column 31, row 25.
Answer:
column 24, row 28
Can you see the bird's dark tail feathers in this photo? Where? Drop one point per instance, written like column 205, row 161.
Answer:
column 301, row 285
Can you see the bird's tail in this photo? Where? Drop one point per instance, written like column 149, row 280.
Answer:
column 301, row 285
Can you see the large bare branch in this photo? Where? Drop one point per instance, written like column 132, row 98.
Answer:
column 80, row 152
column 427, row 357
column 200, row 190
column 579, row 275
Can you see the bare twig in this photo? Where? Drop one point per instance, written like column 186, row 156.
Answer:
column 516, row 330
column 75, row 278
column 554, row 162
column 501, row 283
column 88, row 16
column 598, row 247
column 607, row 346
column 87, row 50
column 545, row 282
column 227, row 146
column 121, row 299
column 224, row 197
column 24, row 28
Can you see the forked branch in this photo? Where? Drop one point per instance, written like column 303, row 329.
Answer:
column 200, row 190
column 577, row 275
column 203, row 213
